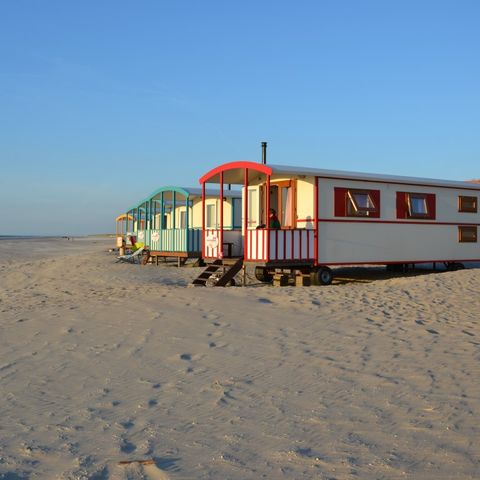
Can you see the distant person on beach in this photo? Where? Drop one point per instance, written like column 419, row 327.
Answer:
column 273, row 221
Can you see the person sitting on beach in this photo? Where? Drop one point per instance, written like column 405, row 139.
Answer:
column 273, row 221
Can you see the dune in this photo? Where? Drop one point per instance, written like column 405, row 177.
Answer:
column 103, row 363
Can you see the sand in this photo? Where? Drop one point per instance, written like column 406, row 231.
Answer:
column 102, row 362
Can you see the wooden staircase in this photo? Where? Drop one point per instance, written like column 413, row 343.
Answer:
column 219, row 273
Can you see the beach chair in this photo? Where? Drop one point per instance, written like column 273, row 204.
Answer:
column 132, row 257
column 136, row 246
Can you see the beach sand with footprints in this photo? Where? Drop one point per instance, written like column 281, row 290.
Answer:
column 117, row 371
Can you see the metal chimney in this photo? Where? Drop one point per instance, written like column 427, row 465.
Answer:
column 264, row 153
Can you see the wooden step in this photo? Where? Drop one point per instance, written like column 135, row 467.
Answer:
column 230, row 270
column 230, row 273
column 207, row 273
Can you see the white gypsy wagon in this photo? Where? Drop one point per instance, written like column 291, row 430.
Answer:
column 330, row 217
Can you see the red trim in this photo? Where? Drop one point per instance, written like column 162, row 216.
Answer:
column 259, row 167
column 220, row 249
column 308, row 244
column 315, row 225
column 400, row 222
column 245, row 214
column 399, row 183
column 386, row 262
column 292, row 248
column 203, row 220
column 376, row 200
column 402, row 207
column 300, row 245
column 267, row 219
column 395, row 262
column 431, row 203
column 276, row 244
column 250, row 236
column 263, row 243
column 340, row 201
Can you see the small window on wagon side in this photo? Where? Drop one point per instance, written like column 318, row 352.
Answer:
column 360, row 203
column 416, row 205
column 467, row 234
column 467, row 204
column 354, row 202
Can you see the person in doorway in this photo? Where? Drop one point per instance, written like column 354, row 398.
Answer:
column 273, row 221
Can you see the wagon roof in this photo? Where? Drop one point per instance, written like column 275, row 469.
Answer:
column 233, row 172
column 190, row 192
column 341, row 174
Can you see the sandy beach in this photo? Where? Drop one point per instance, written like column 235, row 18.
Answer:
column 103, row 363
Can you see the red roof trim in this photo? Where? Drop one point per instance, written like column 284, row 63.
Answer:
column 259, row 167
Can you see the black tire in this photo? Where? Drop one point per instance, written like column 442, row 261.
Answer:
column 322, row 276
column 262, row 275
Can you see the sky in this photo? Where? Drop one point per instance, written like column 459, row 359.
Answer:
column 102, row 101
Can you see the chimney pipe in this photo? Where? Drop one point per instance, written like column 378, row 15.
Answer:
column 264, row 153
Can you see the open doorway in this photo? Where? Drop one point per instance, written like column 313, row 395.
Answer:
column 282, row 200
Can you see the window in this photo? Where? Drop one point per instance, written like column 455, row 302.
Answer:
column 467, row 204
column 237, row 212
column 350, row 202
column 467, row 234
column 360, row 203
column 211, row 217
column 252, row 207
column 416, row 205
column 183, row 219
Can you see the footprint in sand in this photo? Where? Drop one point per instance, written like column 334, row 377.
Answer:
column 264, row 300
column 433, row 332
column 127, row 424
column 127, row 447
column 143, row 470
column 186, row 356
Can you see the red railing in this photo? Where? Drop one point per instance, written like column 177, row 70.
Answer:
column 295, row 244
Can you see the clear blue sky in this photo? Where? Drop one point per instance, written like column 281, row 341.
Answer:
column 102, row 102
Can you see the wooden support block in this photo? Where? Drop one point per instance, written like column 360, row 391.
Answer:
column 302, row 280
column 280, row 280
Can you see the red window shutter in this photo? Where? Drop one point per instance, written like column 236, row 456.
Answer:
column 375, row 194
column 431, row 203
column 402, row 205
column 340, row 202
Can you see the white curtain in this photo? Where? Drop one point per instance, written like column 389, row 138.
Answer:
column 287, row 213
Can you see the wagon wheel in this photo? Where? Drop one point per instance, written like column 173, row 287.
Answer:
column 262, row 275
column 322, row 276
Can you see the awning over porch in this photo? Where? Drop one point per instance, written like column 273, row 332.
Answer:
column 234, row 172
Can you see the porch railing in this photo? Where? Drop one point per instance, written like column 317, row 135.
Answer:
column 174, row 240
column 295, row 244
